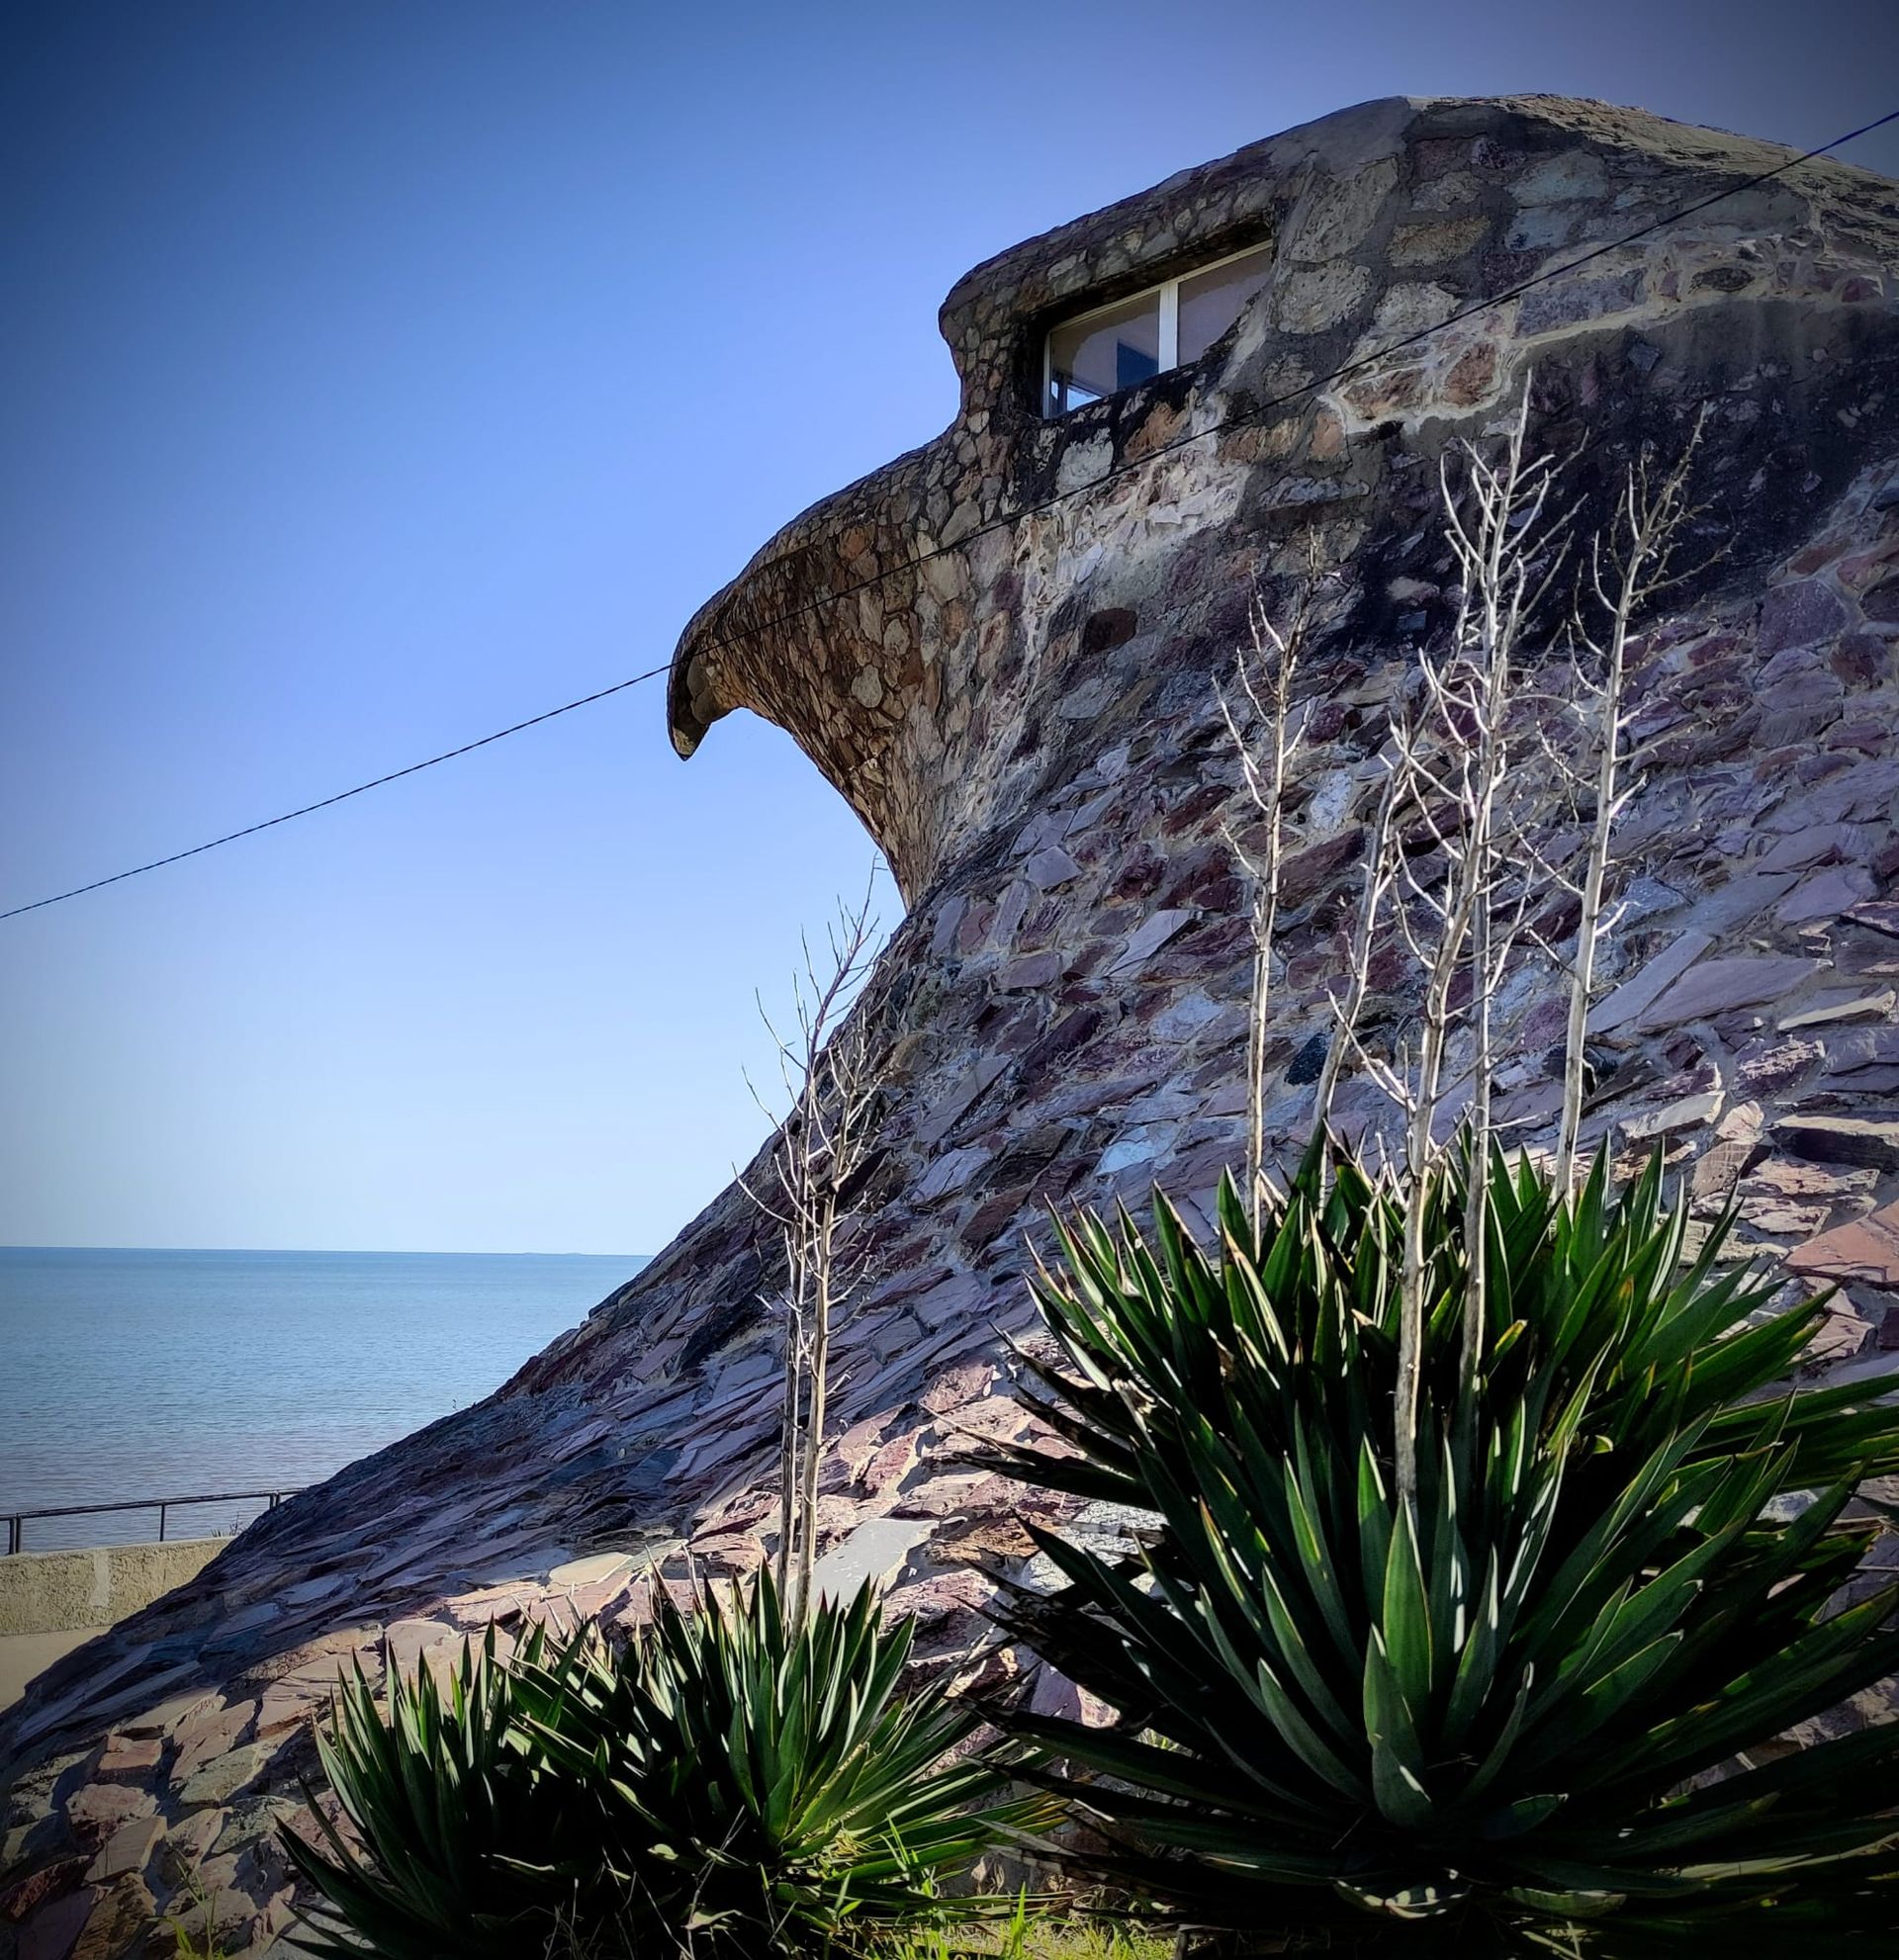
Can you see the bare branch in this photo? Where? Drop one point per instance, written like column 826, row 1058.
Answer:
column 833, row 1071
column 1627, row 572
column 1380, row 870
column 1265, row 673
column 1472, row 910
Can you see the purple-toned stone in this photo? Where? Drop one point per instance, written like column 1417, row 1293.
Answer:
column 1027, row 726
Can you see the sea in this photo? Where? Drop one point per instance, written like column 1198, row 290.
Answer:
column 128, row 1375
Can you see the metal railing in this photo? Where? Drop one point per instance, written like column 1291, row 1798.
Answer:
column 17, row 1521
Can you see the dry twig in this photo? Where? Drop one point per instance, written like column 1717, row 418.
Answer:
column 1264, row 674
column 1624, row 573
column 833, row 1070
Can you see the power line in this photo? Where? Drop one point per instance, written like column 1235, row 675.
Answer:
column 1008, row 518
column 342, row 795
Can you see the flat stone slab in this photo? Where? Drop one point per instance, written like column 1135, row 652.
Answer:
column 586, row 1571
column 1858, row 1140
column 1717, row 986
column 1864, row 1249
column 1627, row 1001
column 223, row 1776
column 869, row 1557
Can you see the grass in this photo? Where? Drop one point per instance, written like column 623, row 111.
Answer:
column 1026, row 1934
column 1028, row 1937
column 202, row 1944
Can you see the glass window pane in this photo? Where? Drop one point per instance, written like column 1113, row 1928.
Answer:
column 1106, row 351
column 1211, row 301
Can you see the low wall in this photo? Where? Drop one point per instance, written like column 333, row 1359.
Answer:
column 56, row 1592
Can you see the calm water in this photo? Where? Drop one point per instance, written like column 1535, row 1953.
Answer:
column 153, row 1374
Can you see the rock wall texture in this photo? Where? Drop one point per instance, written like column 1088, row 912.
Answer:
column 1024, row 721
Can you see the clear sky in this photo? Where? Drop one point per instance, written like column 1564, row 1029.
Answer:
column 373, row 372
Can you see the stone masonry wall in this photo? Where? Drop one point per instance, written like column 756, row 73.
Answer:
column 1025, row 722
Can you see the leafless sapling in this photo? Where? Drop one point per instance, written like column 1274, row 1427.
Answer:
column 1348, row 1010
column 832, row 1065
column 1459, row 903
column 1626, row 569
column 1506, row 552
column 1265, row 744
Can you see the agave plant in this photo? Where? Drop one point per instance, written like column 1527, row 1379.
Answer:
column 1518, row 1712
column 724, row 1784
column 776, row 1767
column 461, row 1836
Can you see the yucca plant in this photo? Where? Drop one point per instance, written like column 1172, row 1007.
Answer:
column 779, row 1768
column 461, row 1837
column 722, row 1785
column 1515, row 1715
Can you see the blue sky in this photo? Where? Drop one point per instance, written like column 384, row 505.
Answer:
column 372, row 375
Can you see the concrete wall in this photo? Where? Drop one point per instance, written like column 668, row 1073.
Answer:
column 53, row 1592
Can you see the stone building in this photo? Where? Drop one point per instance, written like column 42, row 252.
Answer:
column 999, row 648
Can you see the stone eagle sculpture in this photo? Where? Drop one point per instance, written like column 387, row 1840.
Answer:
column 1000, row 649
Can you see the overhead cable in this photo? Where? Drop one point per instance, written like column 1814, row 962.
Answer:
column 1006, row 519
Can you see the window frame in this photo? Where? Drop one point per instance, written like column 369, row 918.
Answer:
column 1167, row 292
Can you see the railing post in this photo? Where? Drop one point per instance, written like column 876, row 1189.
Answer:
column 16, row 1535
column 161, row 1524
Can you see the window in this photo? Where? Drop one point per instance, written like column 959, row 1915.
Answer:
column 1168, row 327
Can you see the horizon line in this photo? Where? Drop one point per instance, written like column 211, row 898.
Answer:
column 331, row 1252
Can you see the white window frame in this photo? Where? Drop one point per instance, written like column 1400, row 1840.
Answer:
column 1169, row 354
